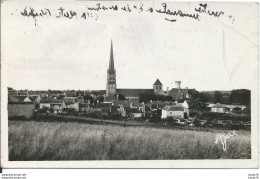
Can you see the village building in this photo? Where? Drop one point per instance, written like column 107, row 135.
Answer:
column 19, row 98
column 20, row 106
column 156, row 105
column 218, row 108
column 189, row 106
column 35, row 98
column 173, row 111
column 56, row 104
column 72, row 103
column 179, row 92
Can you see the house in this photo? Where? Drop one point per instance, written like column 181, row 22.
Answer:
column 104, row 107
column 189, row 106
column 130, row 104
column 56, row 104
column 35, row 98
column 20, row 106
column 179, row 92
column 25, row 109
column 231, row 107
column 134, row 112
column 155, row 105
column 19, row 98
column 173, row 111
column 84, row 107
column 71, row 102
column 218, row 108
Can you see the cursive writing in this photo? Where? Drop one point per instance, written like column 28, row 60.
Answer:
column 203, row 9
column 176, row 13
column 91, row 12
column 223, row 138
column 32, row 13
column 68, row 14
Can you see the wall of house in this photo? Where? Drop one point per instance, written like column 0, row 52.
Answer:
column 187, row 111
column 137, row 115
column 42, row 105
column 121, row 111
column 218, row 110
column 174, row 114
column 73, row 106
column 131, row 98
column 26, row 110
column 164, row 114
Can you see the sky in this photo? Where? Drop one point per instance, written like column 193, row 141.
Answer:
column 60, row 53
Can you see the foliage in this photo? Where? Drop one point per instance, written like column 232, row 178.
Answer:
column 205, row 97
column 217, row 97
column 115, row 116
column 224, row 116
column 240, row 96
column 100, row 98
column 121, row 97
column 88, row 97
column 193, row 93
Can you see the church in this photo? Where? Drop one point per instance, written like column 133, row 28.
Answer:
column 112, row 91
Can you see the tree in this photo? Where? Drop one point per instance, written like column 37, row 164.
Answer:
column 121, row 97
column 145, row 97
column 193, row 93
column 241, row 96
column 217, row 97
column 100, row 98
column 88, row 97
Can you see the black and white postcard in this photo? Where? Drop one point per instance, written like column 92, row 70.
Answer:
column 129, row 84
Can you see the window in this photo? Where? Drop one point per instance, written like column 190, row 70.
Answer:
column 170, row 112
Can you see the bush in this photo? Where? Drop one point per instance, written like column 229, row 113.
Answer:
column 115, row 116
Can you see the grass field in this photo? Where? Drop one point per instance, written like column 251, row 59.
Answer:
column 37, row 141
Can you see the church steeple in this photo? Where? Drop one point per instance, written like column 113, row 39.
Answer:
column 111, row 75
column 111, row 68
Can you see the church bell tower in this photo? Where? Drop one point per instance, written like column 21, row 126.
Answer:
column 111, row 75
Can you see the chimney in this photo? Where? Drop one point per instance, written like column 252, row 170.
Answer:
column 167, row 90
column 178, row 84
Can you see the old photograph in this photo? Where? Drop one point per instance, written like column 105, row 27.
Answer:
column 131, row 84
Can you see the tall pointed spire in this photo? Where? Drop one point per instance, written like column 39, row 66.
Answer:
column 111, row 60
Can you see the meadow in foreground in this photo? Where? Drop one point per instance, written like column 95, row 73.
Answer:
column 37, row 141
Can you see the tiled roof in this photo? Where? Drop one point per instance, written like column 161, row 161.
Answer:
column 101, row 105
column 20, row 98
column 51, row 100
column 159, row 103
column 133, row 92
column 173, row 108
column 33, row 97
column 126, row 103
column 218, row 105
column 157, row 82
